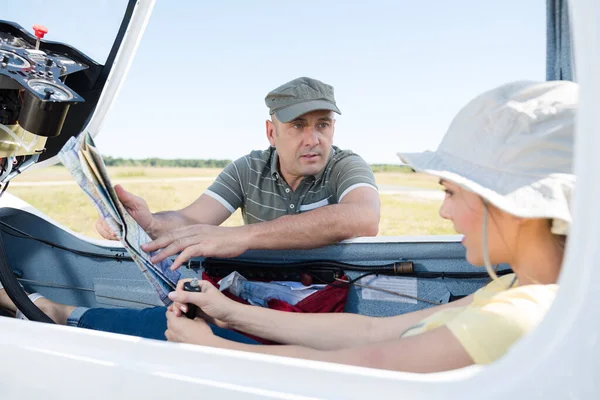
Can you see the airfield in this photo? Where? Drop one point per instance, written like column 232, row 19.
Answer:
column 409, row 201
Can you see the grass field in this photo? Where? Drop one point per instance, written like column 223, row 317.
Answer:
column 67, row 204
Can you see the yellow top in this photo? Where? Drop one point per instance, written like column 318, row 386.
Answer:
column 497, row 318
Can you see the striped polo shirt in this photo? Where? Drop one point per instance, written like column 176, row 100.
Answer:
column 254, row 183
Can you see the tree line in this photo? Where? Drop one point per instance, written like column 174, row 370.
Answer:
column 212, row 163
column 159, row 162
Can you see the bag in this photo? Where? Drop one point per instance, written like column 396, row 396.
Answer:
column 331, row 299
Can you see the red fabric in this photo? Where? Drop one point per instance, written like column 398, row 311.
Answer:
column 328, row 300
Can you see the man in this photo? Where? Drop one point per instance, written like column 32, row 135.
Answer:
column 301, row 193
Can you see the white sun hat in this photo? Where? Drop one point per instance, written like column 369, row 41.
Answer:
column 513, row 146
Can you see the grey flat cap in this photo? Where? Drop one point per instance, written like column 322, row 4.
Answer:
column 300, row 96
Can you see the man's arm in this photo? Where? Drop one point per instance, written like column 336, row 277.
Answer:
column 356, row 215
column 213, row 207
column 205, row 210
column 218, row 202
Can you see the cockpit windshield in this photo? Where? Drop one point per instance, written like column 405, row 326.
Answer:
column 90, row 27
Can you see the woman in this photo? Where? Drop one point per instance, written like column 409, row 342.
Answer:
column 506, row 167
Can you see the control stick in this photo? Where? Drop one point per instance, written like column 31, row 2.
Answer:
column 192, row 286
column 40, row 31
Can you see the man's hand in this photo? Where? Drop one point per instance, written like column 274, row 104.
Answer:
column 135, row 206
column 199, row 240
column 213, row 306
column 184, row 330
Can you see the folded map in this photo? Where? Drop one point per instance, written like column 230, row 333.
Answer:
column 81, row 157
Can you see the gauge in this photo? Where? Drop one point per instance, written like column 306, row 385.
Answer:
column 18, row 43
column 14, row 60
column 63, row 60
column 13, row 41
column 50, row 90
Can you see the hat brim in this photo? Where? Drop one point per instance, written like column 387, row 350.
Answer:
column 292, row 112
column 520, row 195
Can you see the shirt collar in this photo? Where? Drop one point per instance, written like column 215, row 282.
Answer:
column 274, row 163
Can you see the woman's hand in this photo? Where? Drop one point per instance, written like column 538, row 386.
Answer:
column 213, row 306
column 185, row 330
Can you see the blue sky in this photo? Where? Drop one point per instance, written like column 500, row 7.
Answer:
column 401, row 69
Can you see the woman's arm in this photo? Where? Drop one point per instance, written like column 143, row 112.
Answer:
column 433, row 351
column 328, row 331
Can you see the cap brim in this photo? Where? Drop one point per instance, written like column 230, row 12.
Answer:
column 294, row 111
column 516, row 194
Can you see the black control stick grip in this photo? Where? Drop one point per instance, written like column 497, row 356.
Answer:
column 192, row 286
